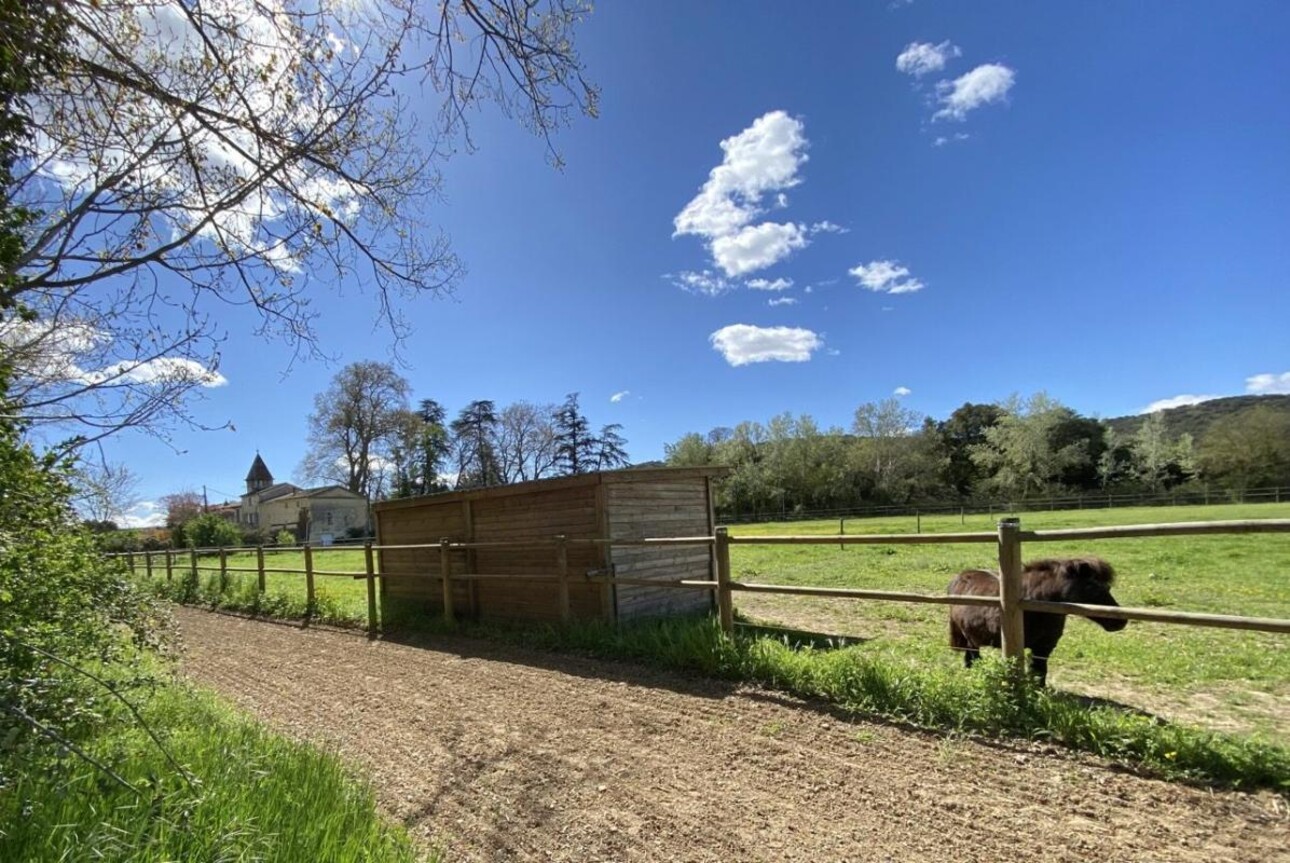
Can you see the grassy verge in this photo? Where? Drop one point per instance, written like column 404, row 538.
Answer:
column 253, row 796
column 241, row 592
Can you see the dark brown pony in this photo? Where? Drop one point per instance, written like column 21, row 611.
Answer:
column 1086, row 580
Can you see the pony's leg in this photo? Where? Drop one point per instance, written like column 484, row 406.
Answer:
column 970, row 655
column 1039, row 668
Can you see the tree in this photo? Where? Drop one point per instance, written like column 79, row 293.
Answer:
column 189, row 156
column 1019, row 454
column 181, row 506
column 692, row 450
column 354, row 426
column 1158, row 460
column 1248, row 449
column 964, row 429
column 526, row 446
column 475, row 433
column 420, row 452
column 574, row 444
column 886, row 445
column 611, row 448
column 105, row 490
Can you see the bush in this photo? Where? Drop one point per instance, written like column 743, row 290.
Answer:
column 119, row 541
column 156, row 542
column 211, row 531
column 252, row 536
column 285, row 537
column 61, row 602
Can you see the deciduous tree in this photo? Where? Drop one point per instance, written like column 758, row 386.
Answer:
column 354, row 425
column 186, row 157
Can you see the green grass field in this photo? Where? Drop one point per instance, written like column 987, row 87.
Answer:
column 1220, row 679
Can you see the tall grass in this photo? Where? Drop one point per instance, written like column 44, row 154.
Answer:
column 253, row 796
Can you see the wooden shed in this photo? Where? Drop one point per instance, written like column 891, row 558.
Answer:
column 630, row 504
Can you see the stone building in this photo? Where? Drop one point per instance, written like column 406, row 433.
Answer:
column 312, row 514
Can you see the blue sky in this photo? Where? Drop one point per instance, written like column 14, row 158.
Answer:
column 1091, row 199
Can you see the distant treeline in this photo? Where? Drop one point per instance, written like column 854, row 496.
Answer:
column 1020, row 449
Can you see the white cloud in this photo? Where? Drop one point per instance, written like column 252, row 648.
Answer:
column 761, row 159
column 767, row 285
column 1175, row 402
column 921, row 58
column 757, row 247
column 619, row 396
column 742, row 344
column 827, row 227
column 942, row 140
column 887, row 277
column 782, row 301
column 705, row 282
column 1268, row 384
column 901, row 392
column 164, row 370
column 987, row 83
column 145, row 513
column 51, row 354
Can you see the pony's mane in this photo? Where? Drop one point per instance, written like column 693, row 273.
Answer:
column 1092, row 568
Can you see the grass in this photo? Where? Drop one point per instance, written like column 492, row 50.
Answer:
column 1229, row 679
column 254, row 796
column 338, row 600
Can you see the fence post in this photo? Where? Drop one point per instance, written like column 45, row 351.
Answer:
column 445, row 574
column 309, row 581
column 192, row 560
column 223, row 569
column 842, row 531
column 147, row 564
column 129, row 559
column 259, row 566
column 371, row 588
column 918, row 521
column 562, row 567
column 170, row 564
column 725, row 597
column 1011, row 625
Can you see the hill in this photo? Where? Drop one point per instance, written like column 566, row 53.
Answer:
column 1196, row 419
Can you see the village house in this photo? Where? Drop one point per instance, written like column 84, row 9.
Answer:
column 312, row 514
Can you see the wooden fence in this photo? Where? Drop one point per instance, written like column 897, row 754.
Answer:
column 1008, row 539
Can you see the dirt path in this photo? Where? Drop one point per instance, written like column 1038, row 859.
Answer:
column 495, row 754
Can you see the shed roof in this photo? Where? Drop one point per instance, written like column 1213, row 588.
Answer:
column 608, row 477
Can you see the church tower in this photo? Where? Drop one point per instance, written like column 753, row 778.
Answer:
column 258, row 478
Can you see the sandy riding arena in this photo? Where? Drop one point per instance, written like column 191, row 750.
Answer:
column 492, row 753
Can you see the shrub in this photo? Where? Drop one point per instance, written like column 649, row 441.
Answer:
column 285, row 537
column 254, row 536
column 211, row 531
column 60, row 599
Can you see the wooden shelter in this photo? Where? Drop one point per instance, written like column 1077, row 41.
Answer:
column 521, row 582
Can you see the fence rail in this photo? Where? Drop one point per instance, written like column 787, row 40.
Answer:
column 1009, row 539
column 1196, row 497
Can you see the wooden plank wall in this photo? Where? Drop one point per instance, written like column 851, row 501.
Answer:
column 537, row 515
column 645, row 509
column 404, row 571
